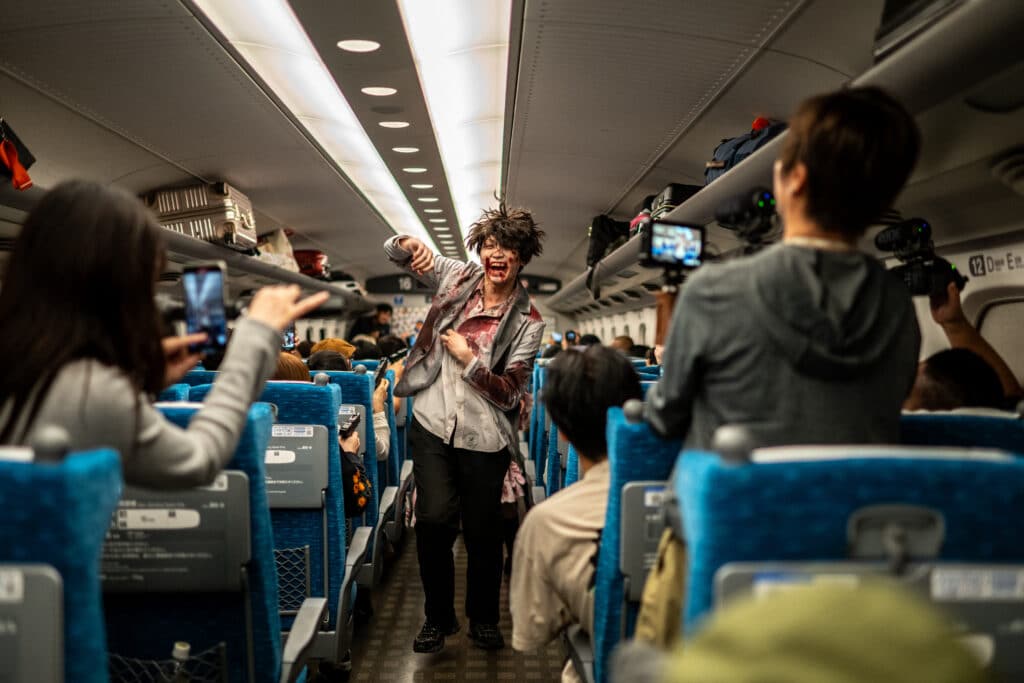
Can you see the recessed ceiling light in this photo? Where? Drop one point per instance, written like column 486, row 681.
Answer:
column 442, row 228
column 438, row 220
column 358, row 45
column 433, row 210
column 422, row 186
column 394, row 124
column 379, row 91
column 414, row 169
column 428, row 200
column 405, row 150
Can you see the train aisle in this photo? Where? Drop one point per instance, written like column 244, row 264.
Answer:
column 382, row 650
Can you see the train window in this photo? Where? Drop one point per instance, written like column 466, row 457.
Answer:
column 643, row 334
column 625, row 330
column 1000, row 324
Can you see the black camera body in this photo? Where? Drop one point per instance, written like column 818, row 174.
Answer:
column 921, row 270
column 751, row 216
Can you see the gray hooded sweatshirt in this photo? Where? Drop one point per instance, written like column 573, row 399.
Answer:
column 798, row 345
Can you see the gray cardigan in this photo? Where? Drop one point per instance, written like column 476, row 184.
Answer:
column 96, row 404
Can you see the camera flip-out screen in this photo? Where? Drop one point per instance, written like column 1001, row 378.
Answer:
column 675, row 245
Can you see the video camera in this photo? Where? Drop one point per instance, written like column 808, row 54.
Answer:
column 750, row 215
column 924, row 273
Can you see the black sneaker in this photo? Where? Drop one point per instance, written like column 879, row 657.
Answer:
column 486, row 636
column 431, row 637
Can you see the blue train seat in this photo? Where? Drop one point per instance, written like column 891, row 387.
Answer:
column 572, row 466
column 804, row 503
column 966, row 430
column 175, row 392
column 206, row 619
column 553, row 476
column 57, row 514
column 195, row 378
column 635, row 453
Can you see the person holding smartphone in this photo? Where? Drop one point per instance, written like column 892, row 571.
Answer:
column 80, row 287
column 468, row 371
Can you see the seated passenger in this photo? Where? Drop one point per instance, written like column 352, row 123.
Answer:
column 305, row 348
column 290, row 369
column 810, row 340
column 365, row 349
column 328, row 360
column 556, row 548
column 334, row 344
column 589, row 340
column 79, row 288
column 967, row 383
column 623, row 343
column 955, row 378
column 391, row 344
column 550, row 351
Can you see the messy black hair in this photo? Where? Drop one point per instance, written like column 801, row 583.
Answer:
column 513, row 228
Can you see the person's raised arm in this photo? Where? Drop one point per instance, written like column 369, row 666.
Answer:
column 948, row 313
column 417, row 259
column 669, row 403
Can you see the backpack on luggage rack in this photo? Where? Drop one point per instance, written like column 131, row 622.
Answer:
column 732, row 151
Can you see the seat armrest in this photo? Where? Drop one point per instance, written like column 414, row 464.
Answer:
column 581, row 652
column 354, row 560
column 531, row 471
column 300, row 638
column 406, row 470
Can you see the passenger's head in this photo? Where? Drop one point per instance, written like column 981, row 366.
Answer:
column 390, row 344
column 290, row 369
column 580, row 388
column 334, row 344
column 366, row 350
column 589, row 340
column 826, row 632
column 845, row 159
column 80, row 283
column 505, row 239
column 550, row 351
column 384, row 313
column 622, row 343
column 304, row 347
column 328, row 360
column 955, row 378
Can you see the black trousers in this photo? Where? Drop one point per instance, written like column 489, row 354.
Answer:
column 453, row 483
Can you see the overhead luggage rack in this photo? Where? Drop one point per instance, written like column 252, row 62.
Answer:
column 961, row 49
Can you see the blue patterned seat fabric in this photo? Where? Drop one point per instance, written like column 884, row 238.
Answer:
column 635, row 453
column 58, row 514
column 798, row 510
column 195, row 378
column 358, row 389
column 572, row 466
column 553, row 478
column 965, row 431
column 175, row 392
column 145, row 626
column 394, row 463
column 538, row 434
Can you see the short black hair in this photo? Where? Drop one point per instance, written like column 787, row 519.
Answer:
column 328, row 360
column 550, row 351
column 366, row 351
column 589, row 340
column 859, row 146
column 385, row 308
column 513, row 228
column 391, row 344
column 580, row 388
column 305, row 347
column 958, row 378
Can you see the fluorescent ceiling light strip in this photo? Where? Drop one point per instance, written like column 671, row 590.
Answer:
column 461, row 52
column 270, row 38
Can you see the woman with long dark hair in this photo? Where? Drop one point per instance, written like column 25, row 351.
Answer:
column 78, row 313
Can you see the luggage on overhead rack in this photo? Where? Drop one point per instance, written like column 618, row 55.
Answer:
column 276, row 249
column 313, row 262
column 732, row 151
column 15, row 158
column 215, row 212
column 672, row 196
column 606, row 235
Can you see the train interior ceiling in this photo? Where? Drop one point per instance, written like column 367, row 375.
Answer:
column 604, row 103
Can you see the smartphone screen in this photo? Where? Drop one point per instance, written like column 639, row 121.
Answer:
column 204, row 305
column 288, row 338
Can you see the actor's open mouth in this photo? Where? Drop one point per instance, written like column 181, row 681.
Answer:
column 497, row 268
